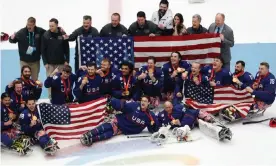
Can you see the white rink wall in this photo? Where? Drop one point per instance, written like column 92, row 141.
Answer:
column 251, row 20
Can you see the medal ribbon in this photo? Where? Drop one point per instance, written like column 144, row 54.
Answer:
column 149, row 116
column 239, row 74
column 198, row 76
column 66, row 89
column 126, row 84
column 29, row 82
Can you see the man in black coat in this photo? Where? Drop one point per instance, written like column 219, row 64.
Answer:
column 114, row 29
column 197, row 28
column 29, row 46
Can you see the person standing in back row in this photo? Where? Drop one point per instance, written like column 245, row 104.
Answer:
column 227, row 38
column 114, row 29
column 29, row 44
column 196, row 28
column 55, row 50
column 86, row 30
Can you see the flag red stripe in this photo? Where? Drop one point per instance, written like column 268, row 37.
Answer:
column 87, row 114
column 84, row 104
column 176, row 48
column 231, row 92
column 231, row 98
column 166, row 58
column 73, row 128
column 88, row 108
column 175, row 38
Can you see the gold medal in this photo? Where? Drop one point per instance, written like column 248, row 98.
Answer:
column 235, row 79
column 127, row 93
column 34, row 118
column 179, row 70
column 152, row 122
column 195, row 79
column 38, row 82
column 150, row 71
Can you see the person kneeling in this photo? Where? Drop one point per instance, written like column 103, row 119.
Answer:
column 135, row 117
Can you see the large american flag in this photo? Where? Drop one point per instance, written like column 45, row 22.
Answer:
column 200, row 47
column 223, row 97
column 116, row 49
column 64, row 122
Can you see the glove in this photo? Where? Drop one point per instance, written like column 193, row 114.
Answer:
column 182, row 133
column 161, row 136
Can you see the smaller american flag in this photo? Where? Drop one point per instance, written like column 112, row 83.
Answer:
column 64, row 122
column 201, row 93
column 116, row 49
column 224, row 97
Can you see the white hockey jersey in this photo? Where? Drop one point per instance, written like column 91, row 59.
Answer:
column 166, row 20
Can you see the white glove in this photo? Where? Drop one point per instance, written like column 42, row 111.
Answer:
column 182, row 133
column 161, row 136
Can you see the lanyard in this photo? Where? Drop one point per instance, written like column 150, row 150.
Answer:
column 150, row 117
column 29, row 82
column 239, row 74
column 16, row 99
column 31, row 39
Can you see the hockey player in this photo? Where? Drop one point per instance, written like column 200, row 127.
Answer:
column 263, row 88
column 193, row 76
column 172, row 73
column 107, row 72
column 217, row 75
column 124, row 84
column 163, row 18
column 17, row 102
column 88, row 86
column 149, row 79
column 32, row 127
column 9, row 133
column 30, row 88
column 134, row 119
column 176, row 117
column 61, row 85
column 241, row 79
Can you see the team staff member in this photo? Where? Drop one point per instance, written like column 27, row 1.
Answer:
column 114, row 28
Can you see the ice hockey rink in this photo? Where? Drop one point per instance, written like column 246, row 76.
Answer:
column 252, row 144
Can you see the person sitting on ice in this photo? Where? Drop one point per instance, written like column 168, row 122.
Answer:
column 241, row 79
column 61, row 85
column 9, row 133
column 263, row 88
column 124, row 84
column 135, row 117
column 30, row 88
column 176, row 117
column 172, row 71
column 17, row 102
column 217, row 75
column 32, row 127
column 149, row 81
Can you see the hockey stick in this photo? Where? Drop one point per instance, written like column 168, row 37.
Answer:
column 137, row 136
column 251, row 122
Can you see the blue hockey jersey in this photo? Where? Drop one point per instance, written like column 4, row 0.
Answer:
column 266, row 89
column 147, row 86
column 245, row 78
column 61, row 90
column 133, row 120
column 188, row 117
column 29, row 89
column 106, row 86
column 122, row 83
column 5, row 111
column 90, row 91
column 16, row 101
column 25, row 119
column 167, row 68
column 221, row 78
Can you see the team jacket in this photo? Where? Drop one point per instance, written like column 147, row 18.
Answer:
column 61, row 90
column 106, row 86
column 91, row 91
column 188, row 117
column 245, row 78
column 29, row 89
column 5, row 111
column 109, row 31
column 55, row 50
column 25, row 119
column 133, row 120
column 147, row 86
column 122, row 83
column 266, row 89
column 221, row 78
column 24, row 38
column 169, row 83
